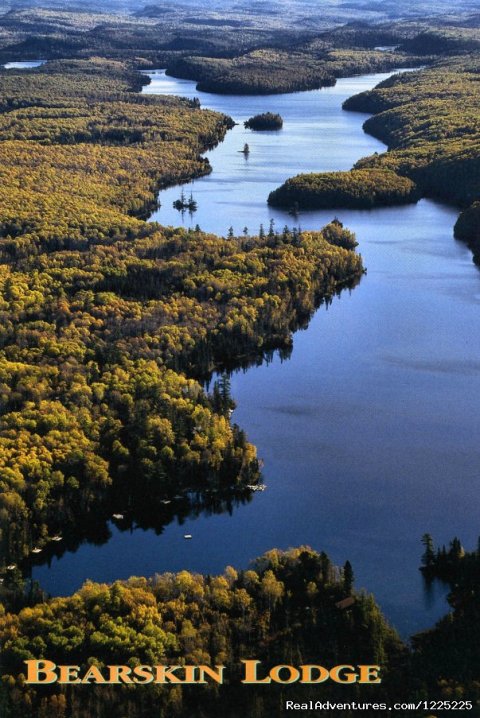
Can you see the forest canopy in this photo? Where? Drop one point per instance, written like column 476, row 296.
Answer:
column 108, row 321
column 265, row 121
column 288, row 606
column 357, row 189
column 429, row 120
column 109, row 324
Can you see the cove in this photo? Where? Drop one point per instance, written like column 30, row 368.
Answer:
column 368, row 431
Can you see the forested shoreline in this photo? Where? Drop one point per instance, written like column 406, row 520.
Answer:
column 289, row 607
column 270, row 71
column 108, row 321
column 361, row 189
column 429, row 121
column 109, row 324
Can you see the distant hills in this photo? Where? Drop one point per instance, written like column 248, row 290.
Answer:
column 308, row 12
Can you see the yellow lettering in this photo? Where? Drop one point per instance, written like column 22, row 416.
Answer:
column 35, row 668
column 144, row 672
column 165, row 674
column 215, row 673
column 251, row 673
column 190, row 674
column 94, row 674
column 68, row 674
column 120, row 674
column 294, row 674
column 369, row 674
column 349, row 676
column 307, row 676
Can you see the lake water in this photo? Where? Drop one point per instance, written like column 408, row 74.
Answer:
column 369, row 431
column 24, row 65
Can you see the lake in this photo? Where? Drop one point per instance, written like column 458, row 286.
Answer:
column 24, row 65
column 369, row 431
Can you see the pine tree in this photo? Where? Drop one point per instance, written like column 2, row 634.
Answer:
column 456, row 549
column 428, row 556
column 348, row 577
column 225, row 387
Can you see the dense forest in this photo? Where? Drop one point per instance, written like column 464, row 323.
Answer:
column 247, row 50
column 274, row 70
column 429, row 120
column 304, row 12
column 110, row 324
column 358, row 188
column 107, row 320
column 452, row 648
column 265, row 121
column 288, row 607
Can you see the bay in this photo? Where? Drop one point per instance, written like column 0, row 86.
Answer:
column 368, row 431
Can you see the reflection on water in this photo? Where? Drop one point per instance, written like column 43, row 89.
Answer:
column 137, row 512
column 316, row 136
column 369, row 430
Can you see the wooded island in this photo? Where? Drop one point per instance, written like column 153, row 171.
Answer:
column 110, row 326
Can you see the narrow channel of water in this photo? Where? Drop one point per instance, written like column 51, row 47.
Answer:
column 369, row 430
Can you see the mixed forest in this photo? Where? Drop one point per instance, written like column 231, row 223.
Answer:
column 285, row 608
column 361, row 189
column 265, row 121
column 429, row 121
column 291, row 607
column 110, row 324
column 108, row 320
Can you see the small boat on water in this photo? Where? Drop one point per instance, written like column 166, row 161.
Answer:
column 57, row 538
column 117, row 516
column 36, row 550
column 166, row 501
column 187, row 536
column 11, row 567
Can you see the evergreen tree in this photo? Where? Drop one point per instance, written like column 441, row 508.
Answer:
column 271, row 229
column 428, row 556
column 225, row 387
column 456, row 549
column 348, row 577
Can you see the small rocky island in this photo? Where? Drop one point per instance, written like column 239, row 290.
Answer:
column 265, row 121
